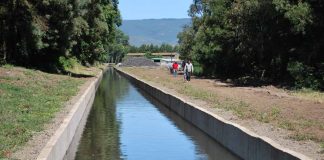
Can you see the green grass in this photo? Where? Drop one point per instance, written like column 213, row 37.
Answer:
column 28, row 100
column 285, row 124
column 267, row 117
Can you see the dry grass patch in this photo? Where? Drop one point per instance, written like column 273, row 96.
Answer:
column 309, row 94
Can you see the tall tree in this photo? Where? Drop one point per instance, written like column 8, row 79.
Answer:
column 258, row 38
column 47, row 31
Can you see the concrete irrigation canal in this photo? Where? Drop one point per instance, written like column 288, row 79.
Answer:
column 126, row 123
column 122, row 117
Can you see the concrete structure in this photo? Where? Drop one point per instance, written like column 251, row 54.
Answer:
column 234, row 137
column 56, row 148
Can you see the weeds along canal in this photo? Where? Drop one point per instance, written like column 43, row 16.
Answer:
column 126, row 123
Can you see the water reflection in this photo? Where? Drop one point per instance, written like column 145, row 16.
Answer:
column 207, row 145
column 100, row 139
column 127, row 124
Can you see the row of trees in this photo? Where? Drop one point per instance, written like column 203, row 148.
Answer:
column 43, row 32
column 265, row 39
column 150, row 48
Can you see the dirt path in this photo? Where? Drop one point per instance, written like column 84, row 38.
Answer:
column 293, row 122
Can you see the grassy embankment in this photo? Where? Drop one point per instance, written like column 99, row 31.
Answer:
column 301, row 127
column 29, row 99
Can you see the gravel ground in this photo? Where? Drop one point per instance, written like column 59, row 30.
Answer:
column 138, row 62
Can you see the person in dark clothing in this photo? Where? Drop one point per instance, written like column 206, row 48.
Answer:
column 183, row 65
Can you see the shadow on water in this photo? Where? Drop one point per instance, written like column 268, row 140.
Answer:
column 126, row 123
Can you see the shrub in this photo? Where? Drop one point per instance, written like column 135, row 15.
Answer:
column 198, row 70
column 304, row 76
column 67, row 63
column 148, row 55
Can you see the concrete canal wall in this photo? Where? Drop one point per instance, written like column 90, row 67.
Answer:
column 234, row 137
column 57, row 147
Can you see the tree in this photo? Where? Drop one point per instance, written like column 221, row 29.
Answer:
column 40, row 33
column 186, row 41
column 153, row 48
column 256, row 38
column 119, row 48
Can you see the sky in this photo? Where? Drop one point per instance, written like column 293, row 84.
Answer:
column 154, row 9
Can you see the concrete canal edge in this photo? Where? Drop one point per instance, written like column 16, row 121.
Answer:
column 237, row 139
column 58, row 145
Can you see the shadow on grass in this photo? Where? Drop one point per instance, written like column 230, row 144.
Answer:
column 77, row 75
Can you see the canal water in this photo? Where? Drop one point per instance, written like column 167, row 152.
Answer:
column 126, row 123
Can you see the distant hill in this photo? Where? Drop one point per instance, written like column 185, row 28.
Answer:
column 156, row 31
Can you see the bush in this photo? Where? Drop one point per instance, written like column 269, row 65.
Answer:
column 198, row 70
column 148, row 55
column 304, row 76
column 2, row 62
column 7, row 66
column 67, row 63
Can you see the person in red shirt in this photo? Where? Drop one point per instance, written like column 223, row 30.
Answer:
column 175, row 69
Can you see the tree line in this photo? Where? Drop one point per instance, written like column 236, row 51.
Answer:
column 151, row 48
column 51, row 32
column 265, row 40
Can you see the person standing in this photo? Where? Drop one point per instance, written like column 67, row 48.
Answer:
column 189, row 70
column 183, row 65
column 175, row 69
